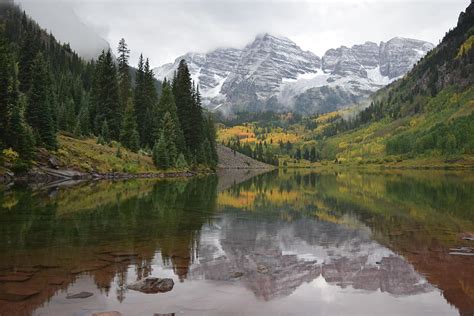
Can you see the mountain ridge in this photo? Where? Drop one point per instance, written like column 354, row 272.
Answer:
column 274, row 73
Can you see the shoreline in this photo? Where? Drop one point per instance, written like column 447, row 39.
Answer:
column 47, row 175
column 405, row 165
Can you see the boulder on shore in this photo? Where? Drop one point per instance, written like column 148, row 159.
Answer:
column 152, row 285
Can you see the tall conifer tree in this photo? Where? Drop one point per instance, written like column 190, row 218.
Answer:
column 38, row 112
column 129, row 135
column 5, row 84
column 168, row 105
column 189, row 109
column 125, row 81
column 139, row 100
column 151, row 103
column 105, row 100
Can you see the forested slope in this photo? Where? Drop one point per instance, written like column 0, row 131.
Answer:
column 47, row 88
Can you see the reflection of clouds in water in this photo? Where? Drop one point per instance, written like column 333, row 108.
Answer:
column 301, row 251
column 326, row 291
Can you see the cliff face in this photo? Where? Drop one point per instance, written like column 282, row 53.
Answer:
column 273, row 73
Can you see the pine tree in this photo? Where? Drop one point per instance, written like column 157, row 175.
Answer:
column 5, row 89
column 21, row 134
column 206, row 152
column 259, row 151
column 28, row 52
column 38, row 112
column 105, row 102
column 146, row 101
column 169, row 132
column 139, row 100
column 312, row 154
column 181, row 162
column 151, row 103
column 160, row 156
column 129, row 135
column 196, row 119
column 188, row 104
column 124, row 78
column 182, row 90
column 104, row 132
column 168, row 105
column 83, row 121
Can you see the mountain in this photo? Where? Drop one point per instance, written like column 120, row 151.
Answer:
column 424, row 119
column 273, row 73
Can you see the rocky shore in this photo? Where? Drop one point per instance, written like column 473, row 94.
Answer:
column 50, row 170
column 50, row 175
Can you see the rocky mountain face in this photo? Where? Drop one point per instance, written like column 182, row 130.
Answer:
column 273, row 73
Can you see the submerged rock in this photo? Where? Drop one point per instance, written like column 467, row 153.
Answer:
column 262, row 269
column 79, row 295
column 152, row 285
column 237, row 274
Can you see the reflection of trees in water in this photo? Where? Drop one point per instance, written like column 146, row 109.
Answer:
column 104, row 240
column 89, row 228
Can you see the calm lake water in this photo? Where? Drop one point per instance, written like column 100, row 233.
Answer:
column 282, row 243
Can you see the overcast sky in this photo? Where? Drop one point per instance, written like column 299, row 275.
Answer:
column 163, row 30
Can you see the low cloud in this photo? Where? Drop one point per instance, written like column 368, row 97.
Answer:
column 163, row 30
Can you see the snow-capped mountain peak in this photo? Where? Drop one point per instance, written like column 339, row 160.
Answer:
column 274, row 73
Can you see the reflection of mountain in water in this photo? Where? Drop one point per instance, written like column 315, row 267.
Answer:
column 262, row 234
column 274, row 257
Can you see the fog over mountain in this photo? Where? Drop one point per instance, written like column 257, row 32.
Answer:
column 61, row 19
column 165, row 29
column 316, row 57
column 273, row 73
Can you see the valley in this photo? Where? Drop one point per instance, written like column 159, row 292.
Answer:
column 249, row 176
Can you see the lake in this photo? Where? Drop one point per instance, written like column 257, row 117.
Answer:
column 286, row 242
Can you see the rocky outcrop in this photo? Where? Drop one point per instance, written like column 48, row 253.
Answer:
column 398, row 55
column 272, row 72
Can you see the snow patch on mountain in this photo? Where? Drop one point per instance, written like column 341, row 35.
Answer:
column 274, row 69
